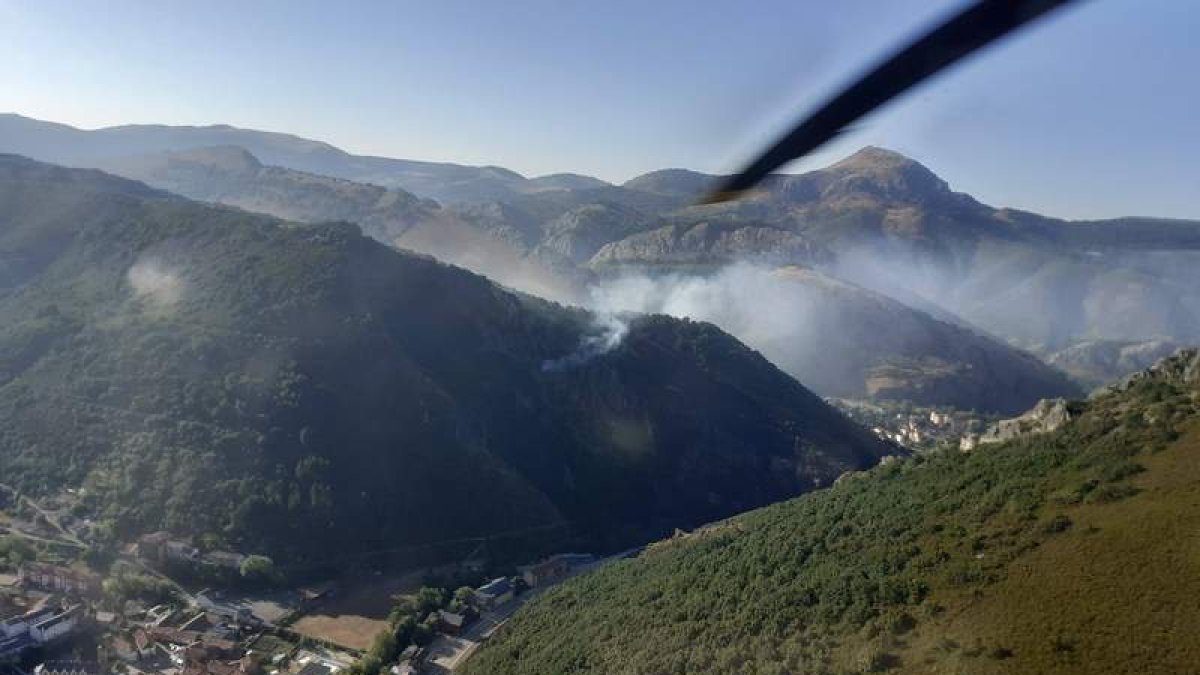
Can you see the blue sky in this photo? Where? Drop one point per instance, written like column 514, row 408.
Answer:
column 1092, row 113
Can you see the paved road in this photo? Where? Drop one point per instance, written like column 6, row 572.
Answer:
column 50, row 518
column 447, row 654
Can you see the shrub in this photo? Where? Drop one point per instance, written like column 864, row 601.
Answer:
column 1059, row 523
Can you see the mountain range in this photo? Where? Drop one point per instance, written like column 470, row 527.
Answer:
column 310, row 392
column 876, row 225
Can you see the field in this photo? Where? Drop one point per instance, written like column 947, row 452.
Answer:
column 353, row 615
column 1084, row 600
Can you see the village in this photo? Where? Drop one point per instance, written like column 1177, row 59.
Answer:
column 917, row 428
column 144, row 616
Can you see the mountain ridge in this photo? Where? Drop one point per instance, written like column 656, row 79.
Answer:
column 1024, row 556
column 236, row 376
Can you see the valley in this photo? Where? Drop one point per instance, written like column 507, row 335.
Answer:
column 876, row 239
column 398, row 386
column 1018, row 557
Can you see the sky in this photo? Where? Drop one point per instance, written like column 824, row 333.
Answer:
column 1091, row 113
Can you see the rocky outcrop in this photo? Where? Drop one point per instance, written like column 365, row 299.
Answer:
column 1048, row 415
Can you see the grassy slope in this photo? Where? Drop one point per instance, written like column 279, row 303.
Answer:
column 1122, row 592
column 1072, row 552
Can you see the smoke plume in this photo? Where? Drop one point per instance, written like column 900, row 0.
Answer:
column 155, row 283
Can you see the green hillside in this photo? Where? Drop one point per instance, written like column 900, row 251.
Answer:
column 1071, row 552
column 311, row 392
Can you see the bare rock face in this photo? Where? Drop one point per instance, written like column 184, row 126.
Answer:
column 1183, row 366
column 1048, row 415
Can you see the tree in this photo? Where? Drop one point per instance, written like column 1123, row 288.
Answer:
column 429, row 599
column 258, row 568
column 462, row 597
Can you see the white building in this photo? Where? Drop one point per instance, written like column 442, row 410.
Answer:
column 19, row 625
column 56, row 626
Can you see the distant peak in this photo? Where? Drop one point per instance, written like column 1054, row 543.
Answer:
column 672, row 181
column 228, row 157
column 873, row 156
column 887, row 172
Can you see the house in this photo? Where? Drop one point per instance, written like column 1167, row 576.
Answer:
column 315, row 667
column 179, row 551
column 125, row 650
column 544, row 572
column 13, row 648
column 68, row 668
column 228, row 560
column 211, row 649
column 19, row 625
column 494, row 593
column 59, row 625
column 153, row 546
column 210, row 602
column 142, row 643
column 243, row 666
column 450, row 623
column 311, row 595
column 575, row 559
column 58, row 579
column 407, row 663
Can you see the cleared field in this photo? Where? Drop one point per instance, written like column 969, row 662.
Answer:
column 357, row 612
column 347, row 630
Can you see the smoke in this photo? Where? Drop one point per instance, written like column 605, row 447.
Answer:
column 753, row 302
column 155, row 283
column 452, row 241
column 609, row 330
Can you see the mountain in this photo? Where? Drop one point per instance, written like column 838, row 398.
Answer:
column 1062, row 552
column 885, row 350
column 877, row 219
column 863, row 344
column 1095, row 363
column 312, row 393
column 847, row 341
column 63, row 144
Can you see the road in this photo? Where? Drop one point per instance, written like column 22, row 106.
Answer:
column 447, row 654
column 69, row 539
column 50, row 517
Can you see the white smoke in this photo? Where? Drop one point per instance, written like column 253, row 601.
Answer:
column 749, row 301
column 155, row 283
column 609, row 330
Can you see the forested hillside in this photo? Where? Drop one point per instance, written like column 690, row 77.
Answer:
column 310, row 390
column 1070, row 552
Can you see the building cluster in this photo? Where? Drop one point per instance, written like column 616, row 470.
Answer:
column 45, row 608
column 36, row 627
column 58, row 579
column 489, row 597
column 914, row 428
column 170, row 641
column 161, row 548
column 553, row 568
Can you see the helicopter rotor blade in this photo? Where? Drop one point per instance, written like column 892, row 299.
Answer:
column 977, row 26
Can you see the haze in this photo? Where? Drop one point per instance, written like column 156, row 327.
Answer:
column 1087, row 115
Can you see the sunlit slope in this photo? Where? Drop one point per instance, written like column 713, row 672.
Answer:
column 1072, row 552
column 310, row 392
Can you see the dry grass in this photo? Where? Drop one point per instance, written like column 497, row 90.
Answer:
column 1117, row 593
column 358, row 611
column 347, row 630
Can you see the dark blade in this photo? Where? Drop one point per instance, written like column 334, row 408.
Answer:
column 975, row 27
